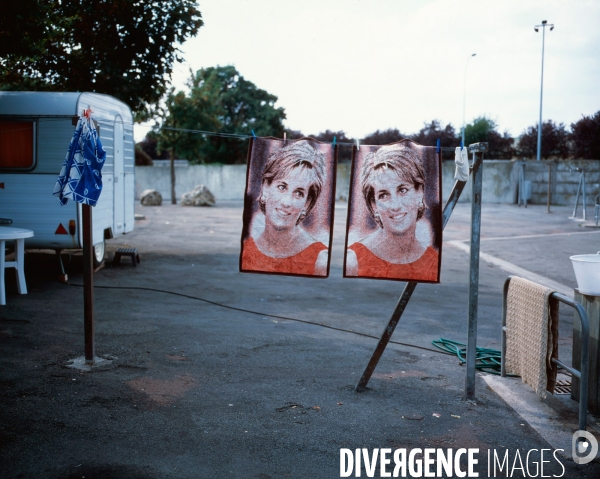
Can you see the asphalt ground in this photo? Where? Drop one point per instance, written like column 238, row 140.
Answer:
column 210, row 373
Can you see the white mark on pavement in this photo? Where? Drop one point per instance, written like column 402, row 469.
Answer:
column 514, row 269
column 496, row 238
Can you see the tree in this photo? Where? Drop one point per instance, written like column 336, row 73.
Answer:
column 431, row 132
column 141, row 157
column 219, row 100
column 294, row 134
column 383, row 137
column 149, row 146
column 585, row 137
column 183, row 113
column 198, row 111
column 555, row 141
column 125, row 48
column 344, row 151
column 500, row 146
column 26, row 29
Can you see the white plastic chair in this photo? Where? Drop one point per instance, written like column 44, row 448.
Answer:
column 17, row 235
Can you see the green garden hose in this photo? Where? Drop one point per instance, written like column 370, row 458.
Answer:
column 486, row 360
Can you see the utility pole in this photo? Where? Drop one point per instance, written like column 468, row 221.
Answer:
column 465, row 97
column 536, row 28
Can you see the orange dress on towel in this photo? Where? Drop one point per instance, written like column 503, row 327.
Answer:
column 424, row 269
column 302, row 263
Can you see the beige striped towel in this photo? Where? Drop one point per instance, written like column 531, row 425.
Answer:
column 531, row 334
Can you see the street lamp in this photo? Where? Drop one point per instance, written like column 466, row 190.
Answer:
column 465, row 96
column 536, row 28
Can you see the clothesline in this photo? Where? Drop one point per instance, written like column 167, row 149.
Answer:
column 219, row 134
column 245, row 137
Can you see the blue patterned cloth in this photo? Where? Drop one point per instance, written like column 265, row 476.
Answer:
column 80, row 177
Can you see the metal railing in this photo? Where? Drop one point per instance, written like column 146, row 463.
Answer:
column 583, row 375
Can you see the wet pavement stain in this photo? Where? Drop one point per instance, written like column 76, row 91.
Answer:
column 164, row 391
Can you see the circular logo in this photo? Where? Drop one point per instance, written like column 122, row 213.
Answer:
column 584, row 446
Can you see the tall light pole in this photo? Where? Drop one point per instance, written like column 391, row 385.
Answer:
column 536, row 28
column 465, row 96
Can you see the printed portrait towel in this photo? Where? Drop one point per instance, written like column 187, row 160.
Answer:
column 288, row 207
column 394, row 227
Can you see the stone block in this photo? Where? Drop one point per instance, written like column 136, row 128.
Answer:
column 150, row 198
column 199, row 196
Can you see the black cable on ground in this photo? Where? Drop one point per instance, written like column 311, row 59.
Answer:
column 214, row 303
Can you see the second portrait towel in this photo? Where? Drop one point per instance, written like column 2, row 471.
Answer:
column 394, row 228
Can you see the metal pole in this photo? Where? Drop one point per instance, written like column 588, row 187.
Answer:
column 583, row 193
column 474, row 273
column 543, row 27
column 577, row 199
column 503, row 332
column 585, row 366
column 539, row 142
column 88, row 285
column 465, row 97
column 403, row 301
column 584, row 369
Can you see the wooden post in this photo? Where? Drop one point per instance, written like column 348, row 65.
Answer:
column 88, row 285
column 173, row 196
column 549, row 197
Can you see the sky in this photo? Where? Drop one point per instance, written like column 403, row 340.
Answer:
column 361, row 66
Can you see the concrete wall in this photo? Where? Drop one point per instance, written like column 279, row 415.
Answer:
column 496, row 182
column 564, row 180
column 226, row 182
column 500, row 180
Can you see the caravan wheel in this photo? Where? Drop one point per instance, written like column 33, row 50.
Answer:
column 99, row 251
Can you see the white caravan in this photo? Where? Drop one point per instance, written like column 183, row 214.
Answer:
column 35, row 131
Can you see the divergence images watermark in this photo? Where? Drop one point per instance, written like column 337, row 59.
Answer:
column 430, row 462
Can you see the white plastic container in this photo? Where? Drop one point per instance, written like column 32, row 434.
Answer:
column 587, row 273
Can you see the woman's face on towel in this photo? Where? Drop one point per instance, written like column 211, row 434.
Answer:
column 397, row 201
column 285, row 198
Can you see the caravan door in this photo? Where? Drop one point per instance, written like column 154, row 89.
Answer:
column 119, row 178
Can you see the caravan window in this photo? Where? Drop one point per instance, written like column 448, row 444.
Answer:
column 16, row 144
